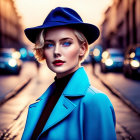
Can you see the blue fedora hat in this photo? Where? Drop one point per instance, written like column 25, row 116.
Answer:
column 62, row 16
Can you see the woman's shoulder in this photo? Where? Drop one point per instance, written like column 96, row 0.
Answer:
column 96, row 97
column 97, row 103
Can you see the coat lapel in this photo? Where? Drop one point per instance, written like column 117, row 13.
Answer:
column 62, row 109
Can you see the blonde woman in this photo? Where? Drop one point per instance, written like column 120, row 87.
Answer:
column 70, row 109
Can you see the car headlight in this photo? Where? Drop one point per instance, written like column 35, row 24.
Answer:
column 135, row 63
column 96, row 52
column 16, row 55
column 105, row 55
column 12, row 62
column 109, row 62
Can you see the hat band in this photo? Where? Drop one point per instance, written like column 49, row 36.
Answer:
column 61, row 22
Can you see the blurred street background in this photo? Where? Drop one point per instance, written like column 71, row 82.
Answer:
column 113, row 63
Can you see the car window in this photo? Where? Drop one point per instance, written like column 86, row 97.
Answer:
column 137, row 52
column 116, row 55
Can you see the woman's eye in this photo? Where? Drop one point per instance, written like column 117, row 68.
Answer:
column 67, row 44
column 49, row 45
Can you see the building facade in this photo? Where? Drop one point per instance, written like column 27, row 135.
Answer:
column 10, row 27
column 121, row 25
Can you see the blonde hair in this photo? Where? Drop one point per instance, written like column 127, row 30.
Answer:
column 39, row 44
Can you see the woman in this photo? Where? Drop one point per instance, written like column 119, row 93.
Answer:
column 70, row 109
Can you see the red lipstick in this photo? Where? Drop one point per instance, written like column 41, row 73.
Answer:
column 58, row 62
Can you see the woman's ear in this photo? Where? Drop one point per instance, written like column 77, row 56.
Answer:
column 83, row 49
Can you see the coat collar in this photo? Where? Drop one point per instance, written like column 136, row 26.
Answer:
column 79, row 83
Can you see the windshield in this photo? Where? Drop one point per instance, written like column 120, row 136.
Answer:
column 4, row 54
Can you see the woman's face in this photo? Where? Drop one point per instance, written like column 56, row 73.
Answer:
column 62, row 51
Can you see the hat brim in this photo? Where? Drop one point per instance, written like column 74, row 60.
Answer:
column 90, row 31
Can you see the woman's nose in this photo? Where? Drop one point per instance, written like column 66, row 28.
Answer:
column 57, row 51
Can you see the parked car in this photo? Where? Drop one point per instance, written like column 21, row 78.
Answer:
column 95, row 54
column 112, row 60
column 10, row 62
column 132, row 62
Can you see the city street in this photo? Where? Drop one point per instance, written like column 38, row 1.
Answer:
column 47, row 29
column 14, row 111
column 128, row 89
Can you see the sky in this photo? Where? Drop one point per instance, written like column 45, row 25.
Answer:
column 33, row 12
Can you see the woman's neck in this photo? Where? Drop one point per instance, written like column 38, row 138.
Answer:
column 61, row 75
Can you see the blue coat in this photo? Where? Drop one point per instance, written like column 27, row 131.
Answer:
column 81, row 113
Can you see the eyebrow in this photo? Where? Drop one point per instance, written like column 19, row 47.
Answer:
column 49, row 41
column 63, row 39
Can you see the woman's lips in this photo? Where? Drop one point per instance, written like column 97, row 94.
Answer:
column 58, row 62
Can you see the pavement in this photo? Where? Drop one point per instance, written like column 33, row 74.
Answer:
column 13, row 92
column 131, row 98
column 12, row 85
